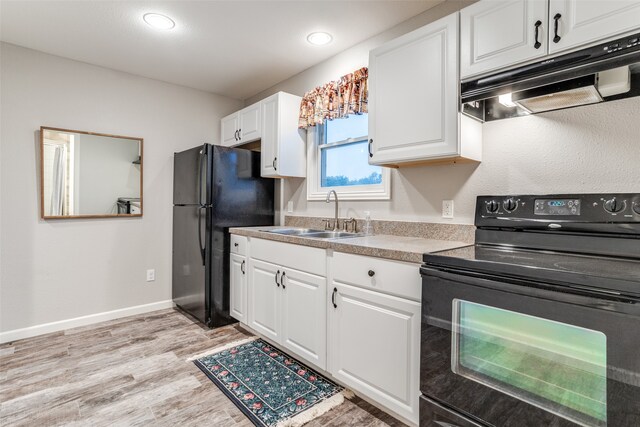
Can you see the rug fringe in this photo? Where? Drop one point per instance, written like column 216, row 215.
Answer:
column 348, row 394
column 315, row 411
column 221, row 348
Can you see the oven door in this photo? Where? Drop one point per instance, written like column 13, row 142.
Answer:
column 508, row 353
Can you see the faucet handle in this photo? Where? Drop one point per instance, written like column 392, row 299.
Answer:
column 353, row 223
column 326, row 224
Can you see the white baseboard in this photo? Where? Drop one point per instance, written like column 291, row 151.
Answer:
column 46, row 328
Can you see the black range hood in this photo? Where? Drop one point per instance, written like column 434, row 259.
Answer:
column 597, row 74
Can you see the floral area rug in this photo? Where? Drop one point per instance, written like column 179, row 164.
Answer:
column 270, row 387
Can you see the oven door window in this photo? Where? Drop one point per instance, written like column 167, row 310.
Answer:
column 555, row 366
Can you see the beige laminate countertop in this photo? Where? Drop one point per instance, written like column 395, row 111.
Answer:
column 400, row 248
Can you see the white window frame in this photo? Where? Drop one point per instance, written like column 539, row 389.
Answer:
column 315, row 191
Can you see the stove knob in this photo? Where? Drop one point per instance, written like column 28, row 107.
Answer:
column 492, row 206
column 636, row 207
column 613, row 206
column 510, row 204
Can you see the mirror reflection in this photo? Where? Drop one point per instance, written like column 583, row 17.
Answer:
column 86, row 174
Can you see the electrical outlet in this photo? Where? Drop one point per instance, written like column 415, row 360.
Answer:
column 151, row 275
column 447, row 209
column 290, row 206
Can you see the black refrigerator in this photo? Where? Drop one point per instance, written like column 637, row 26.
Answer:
column 214, row 188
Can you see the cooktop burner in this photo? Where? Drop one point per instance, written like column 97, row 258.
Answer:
column 590, row 241
column 606, row 274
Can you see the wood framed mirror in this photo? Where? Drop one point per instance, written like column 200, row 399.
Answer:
column 89, row 175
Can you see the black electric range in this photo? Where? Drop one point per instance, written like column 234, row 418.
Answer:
column 538, row 323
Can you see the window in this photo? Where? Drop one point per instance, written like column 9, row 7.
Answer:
column 338, row 160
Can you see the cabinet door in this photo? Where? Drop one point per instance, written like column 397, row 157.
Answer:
column 499, row 34
column 587, row 22
column 374, row 346
column 228, row 130
column 250, row 123
column 269, row 143
column 238, row 285
column 304, row 315
column 413, row 95
column 264, row 298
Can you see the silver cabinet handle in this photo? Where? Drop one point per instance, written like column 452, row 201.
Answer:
column 333, row 298
column 274, row 163
column 282, row 280
column 278, row 278
column 242, row 267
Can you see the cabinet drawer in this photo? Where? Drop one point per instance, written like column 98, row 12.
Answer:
column 238, row 245
column 392, row 277
column 303, row 258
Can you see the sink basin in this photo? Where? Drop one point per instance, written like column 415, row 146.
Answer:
column 313, row 233
column 293, row 231
column 330, row 235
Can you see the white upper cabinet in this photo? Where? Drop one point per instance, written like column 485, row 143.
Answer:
column 250, row 123
column 274, row 123
column 414, row 96
column 498, row 34
column 229, row 130
column 283, row 145
column 241, row 127
column 583, row 22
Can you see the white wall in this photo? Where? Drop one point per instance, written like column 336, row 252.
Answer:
column 586, row 149
column 55, row 270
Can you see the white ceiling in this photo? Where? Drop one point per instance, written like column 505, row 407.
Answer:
column 234, row 48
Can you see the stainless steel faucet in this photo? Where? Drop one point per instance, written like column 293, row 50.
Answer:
column 335, row 195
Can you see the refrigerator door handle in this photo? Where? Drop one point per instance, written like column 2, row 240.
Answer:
column 202, row 248
column 203, row 155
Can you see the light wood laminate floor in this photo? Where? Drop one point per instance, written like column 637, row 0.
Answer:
column 131, row 371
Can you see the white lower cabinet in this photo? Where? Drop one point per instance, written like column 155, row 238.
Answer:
column 288, row 305
column 364, row 329
column 304, row 321
column 374, row 337
column 264, row 298
column 238, row 288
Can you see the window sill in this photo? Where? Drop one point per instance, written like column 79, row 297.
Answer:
column 352, row 194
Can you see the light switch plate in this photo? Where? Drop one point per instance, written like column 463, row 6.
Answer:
column 447, row 209
column 151, row 275
column 290, row 206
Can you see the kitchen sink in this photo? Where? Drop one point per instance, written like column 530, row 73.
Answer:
column 313, row 233
column 331, row 235
column 293, row 231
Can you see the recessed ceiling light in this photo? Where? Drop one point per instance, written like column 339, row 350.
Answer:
column 158, row 21
column 319, row 38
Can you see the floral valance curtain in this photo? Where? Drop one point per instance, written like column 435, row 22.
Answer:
column 348, row 95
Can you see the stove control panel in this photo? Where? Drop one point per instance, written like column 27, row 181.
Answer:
column 557, row 207
column 544, row 210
